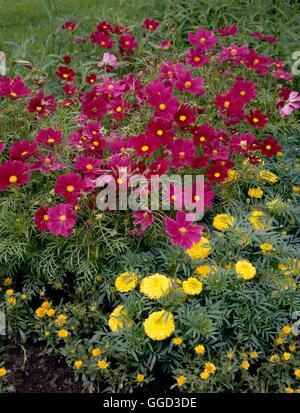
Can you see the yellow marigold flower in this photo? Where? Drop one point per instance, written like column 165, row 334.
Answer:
column 297, row 373
column 192, row 286
column 102, row 364
column 12, row 301
column 255, row 193
column 268, row 176
column 288, row 390
column 46, row 305
column 286, row 356
column 245, row 269
column 230, row 355
column 200, row 349
column 9, row 292
column 7, row 281
column 118, row 319
column 50, row 312
column 78, row 364
column 140, row 378
column 204, row 375
column 232, row 175
column 177, row 341
column 292, row 266
column 63, row 333
column 181, row 380
column 40, row 312
column 257, row 220
column 61, row 319
column 210, row 367
column 126, row 281
column 274, row 358
column 200, row 250
column 96, row 352
column 254, row 354
column 155, row 286
column 285, row 330
column 296, row 189
column 3, row 371
column 222, row 222
column 292, row 347
column 279, row 341
column 245, row 364
column 266, row 247
column 205, row 269
column 159, row 325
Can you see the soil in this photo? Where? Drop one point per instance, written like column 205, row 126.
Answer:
column 39, row 374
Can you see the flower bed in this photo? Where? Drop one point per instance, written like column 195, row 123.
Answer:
column 205, row 290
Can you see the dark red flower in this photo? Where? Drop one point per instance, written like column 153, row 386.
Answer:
column 65, row 73
column 145, row 145
column 228, row 30
column 256, row 118
column 70, row 25
column 48, row 137
column 184, row 116
column 69, row 186
column 217, row 173
column 41, row 219
column 269, row 146
column 42, row 105
column 151, row 25
column 21, row 150
column 128, row 42
column 13, row 173
column 91, row 78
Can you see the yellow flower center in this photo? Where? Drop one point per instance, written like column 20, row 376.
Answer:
column 89, row 166
column 119, row 109
column 110, row 87
column 160, row 132
column 256, row 61
column 233, row 52
column 12, row 179
column 65, row 75
column 45, row 217
column 162, row 106
column 217, row 174
column 181, row 154
column 145, row 148
column 202, row 138
column 255, row 120
column 62, row 218
column 202, row 40
column 268, row 147
column 197, row 59
column 70, row 188
column 226, row 104
column 13, row 94
column 182, row 230
column 188, row 84
column 242, row 93
column 39, row 108
column 182, row 118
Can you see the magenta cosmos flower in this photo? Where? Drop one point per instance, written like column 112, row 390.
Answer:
column 88, row 166
column 42, row 105
column 21, row 150
column 48, row 137
column 61, row 219
column 181, row 231
column 69, row 186
column 203, row 38
column 13, row 173
column 13, row 87
column 289, row 101
column 47, row 163
column 128, row 42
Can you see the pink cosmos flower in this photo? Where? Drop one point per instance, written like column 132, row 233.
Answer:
column 13, row 173
column 184, row 116
column 263, row 37
column 42, row 105
column 196, row 57
column 256, row 118
column 102, row 39
column 48, row 137
column 69, row 186
column 183, row 152
column 128, row 42
column 61, row 219
column 108, row 61
column 21, row 150
column 186, row 83
column 165, row 44
column 65, row 73
column 145, row 145
column 70, row 25
column 243, row 90
column 232, row 53
column 242, row 143
column 47, row 163
column 290, row 103
column 181, row 231
column 143, row 219
column 281, row 74
column 13, row 87
column 228, row 30
column 161, row 129
column 257, row 62
column 151, row 25
column 203, row 38
column 88, row 166
column 41, row 219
